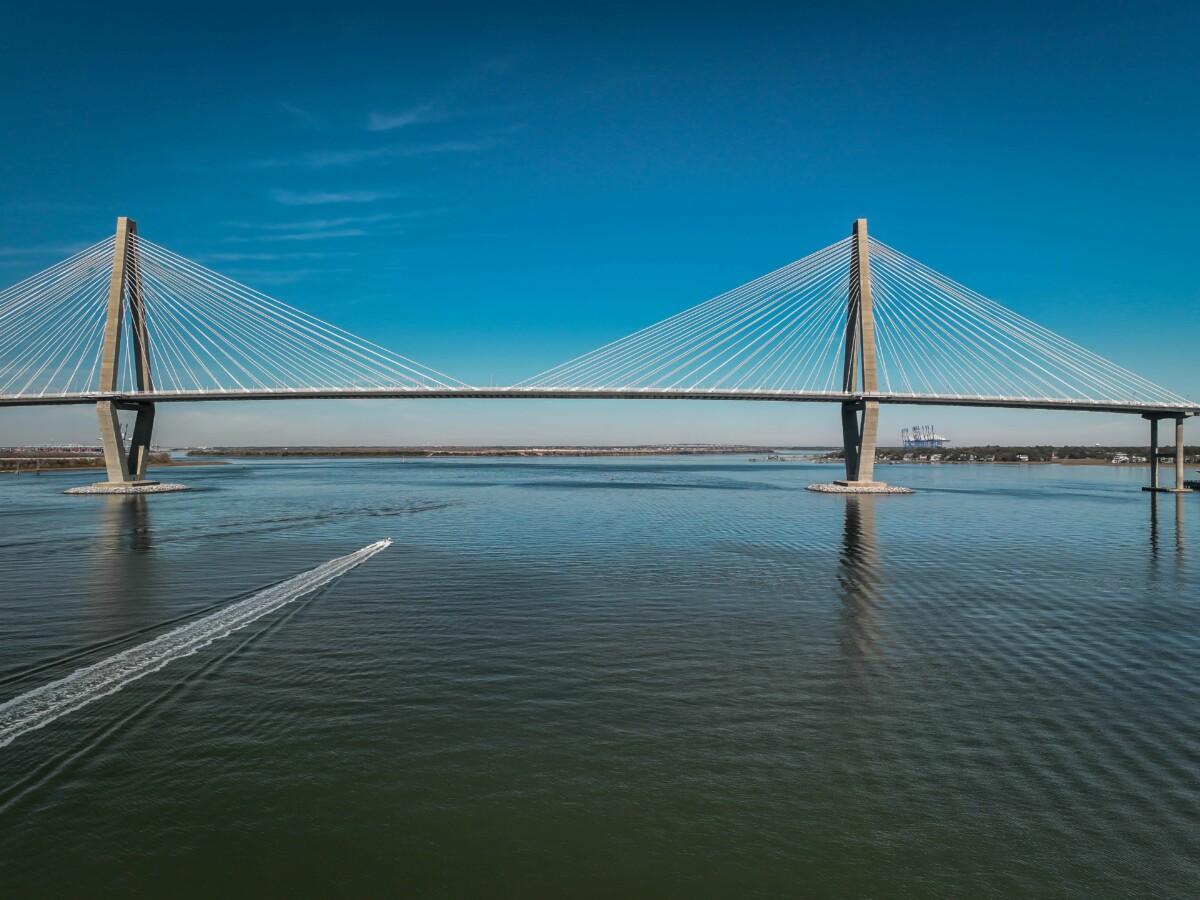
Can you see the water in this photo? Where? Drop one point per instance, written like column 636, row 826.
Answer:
column 668, row 677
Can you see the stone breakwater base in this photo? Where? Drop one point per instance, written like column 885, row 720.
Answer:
column 141, row 487
column 875, row 488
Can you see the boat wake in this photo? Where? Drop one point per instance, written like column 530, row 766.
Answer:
column 43, row 705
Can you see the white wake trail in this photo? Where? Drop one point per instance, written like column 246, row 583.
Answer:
column 43, row 705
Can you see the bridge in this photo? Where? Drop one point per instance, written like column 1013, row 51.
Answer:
column 127, row 324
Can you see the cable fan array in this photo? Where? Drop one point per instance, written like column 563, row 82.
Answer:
column 207, row 334
column 935, row 337
column 212, row 333
column 52, row 326
column 785, row 333
column 782, row 332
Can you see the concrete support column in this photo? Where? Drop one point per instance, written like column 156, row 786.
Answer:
column 850, row 439
column 866, row 441
column 1154, row 453
column 860, row 422
column 115, row 462
column 139, row 445
column 1179, row 453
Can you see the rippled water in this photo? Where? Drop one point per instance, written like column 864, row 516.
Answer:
column 599, row 678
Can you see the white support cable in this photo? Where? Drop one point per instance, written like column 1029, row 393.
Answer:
column 940, row 354
column 365, row 350
column 89, row 349
column 935, row 306
column 194, row 339
column 693, row 354
column 172, row 337
column 1038, row 336
column 179, row 309
column 284, row 340
column 618, row 362
column 802, row 360
column 569, row 371
column 837, row 338
column 226, row 299
column 798, row 306
column 42, row 333
column 36, row 287
column 771, row 343
column 166, row 372
column 44, row 305
column 207, row 335
column 713, row 335
column 209, row 341
column 890, row 329
column 1014, row 346
column 693, row 367
column 71, row 343
column 231, row 343
column 931, row 330
column 793, row 335
column 52, row 345
column 712, row 309
column 235, row 346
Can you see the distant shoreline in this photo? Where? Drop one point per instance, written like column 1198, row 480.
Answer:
column 27, row 465
column 426, row 452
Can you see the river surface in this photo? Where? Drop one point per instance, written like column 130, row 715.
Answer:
column 634, row 677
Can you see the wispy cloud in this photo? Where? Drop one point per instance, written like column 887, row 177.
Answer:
column 310, row 224
column 274, row 276
column 321, row 229
column 429, row 114
column 446, row 104
column 321, row 234
column 269, row 256
column 305, row 117
column 316, row 234
column 322, row 198
column 349, row 157
column 423, row 114
column 324, row 159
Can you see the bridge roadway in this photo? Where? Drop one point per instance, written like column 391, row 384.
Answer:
column 546, row 393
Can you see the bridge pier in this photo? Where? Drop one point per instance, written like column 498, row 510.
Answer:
column 125, row 467
column 860, row 422
column 1178, row 455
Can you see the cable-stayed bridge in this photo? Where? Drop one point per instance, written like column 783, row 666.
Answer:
column 127, row 324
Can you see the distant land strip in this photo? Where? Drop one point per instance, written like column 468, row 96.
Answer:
column 23, row 461
column 641, row 450
column 1066, row 455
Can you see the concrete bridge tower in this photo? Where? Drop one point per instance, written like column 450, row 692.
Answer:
column 860, row 418
column 126, row 467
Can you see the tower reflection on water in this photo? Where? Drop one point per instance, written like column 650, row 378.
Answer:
column 1158, row 517
column 125, row 524
column 860, row 577
column 123, row 566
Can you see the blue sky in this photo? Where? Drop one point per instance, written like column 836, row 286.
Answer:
column 494, row 188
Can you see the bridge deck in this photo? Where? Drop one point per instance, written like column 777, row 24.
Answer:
column 481, row 393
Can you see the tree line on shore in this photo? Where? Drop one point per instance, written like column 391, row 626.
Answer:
column 1034, row 453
